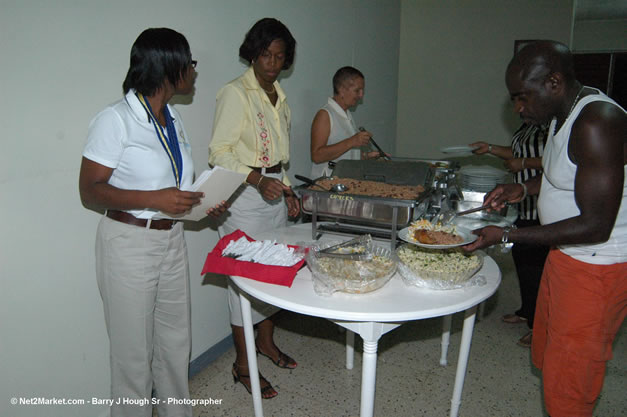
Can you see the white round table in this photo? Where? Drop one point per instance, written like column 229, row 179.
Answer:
column 370, row 315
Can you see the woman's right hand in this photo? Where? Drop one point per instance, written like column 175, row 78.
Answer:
column 480, row 147
column 271, row 188
column 174, row 201
column 360, row 139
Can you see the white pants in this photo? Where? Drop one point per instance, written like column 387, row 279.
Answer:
column 143, row 277
column 252, row 214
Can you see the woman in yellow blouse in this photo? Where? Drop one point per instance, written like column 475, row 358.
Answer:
column 251, row 135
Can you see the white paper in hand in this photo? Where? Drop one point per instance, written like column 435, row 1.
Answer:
column 218, row 184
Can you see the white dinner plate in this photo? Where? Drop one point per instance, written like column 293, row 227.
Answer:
column 457, row 150
column 466, row 234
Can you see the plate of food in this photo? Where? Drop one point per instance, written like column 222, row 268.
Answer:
column 435, row 236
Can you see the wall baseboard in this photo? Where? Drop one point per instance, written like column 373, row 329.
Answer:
column 204, row 359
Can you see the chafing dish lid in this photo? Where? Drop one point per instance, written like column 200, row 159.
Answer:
column 389, row 172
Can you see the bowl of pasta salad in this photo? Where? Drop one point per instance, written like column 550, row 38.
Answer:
column 437, row 268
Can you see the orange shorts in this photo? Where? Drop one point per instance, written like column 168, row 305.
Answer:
column 580, row 308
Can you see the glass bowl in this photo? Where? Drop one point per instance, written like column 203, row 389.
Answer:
column 331, row 274
column 440, row 269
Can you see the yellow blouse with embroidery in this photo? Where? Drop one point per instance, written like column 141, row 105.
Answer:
column 248, row 131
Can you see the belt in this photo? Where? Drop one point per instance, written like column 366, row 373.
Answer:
column 124, row 217
column 270, row 170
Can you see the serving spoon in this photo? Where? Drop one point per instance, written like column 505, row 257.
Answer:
column 381, row 153
column 336, row 188
column 446, row 217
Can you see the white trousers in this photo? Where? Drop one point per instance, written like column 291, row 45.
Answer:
column 143, row 277
column 252, row 214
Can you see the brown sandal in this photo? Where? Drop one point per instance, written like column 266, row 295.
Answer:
column 283, row 361
column 513, row 319
column 266, row 392
column 525, row 341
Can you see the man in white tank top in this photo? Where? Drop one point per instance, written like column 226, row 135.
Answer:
column 582, row 206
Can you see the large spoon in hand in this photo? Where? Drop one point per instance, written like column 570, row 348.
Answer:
column 381, row 153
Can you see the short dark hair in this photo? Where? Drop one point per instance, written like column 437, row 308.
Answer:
column 158, row 54
column 538, row 59
column 344, row 74
column 261, row 35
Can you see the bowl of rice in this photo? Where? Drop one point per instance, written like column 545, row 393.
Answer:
column 437, row 268
column 356, row 276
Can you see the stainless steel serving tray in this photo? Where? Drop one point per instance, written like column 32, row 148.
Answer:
column 368, row 209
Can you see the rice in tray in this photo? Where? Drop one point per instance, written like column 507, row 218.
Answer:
column 374, row 188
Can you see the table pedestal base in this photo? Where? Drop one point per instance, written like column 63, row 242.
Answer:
column 370, row 332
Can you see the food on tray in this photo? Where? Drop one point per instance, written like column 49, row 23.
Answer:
column 373, row 188
column 377, row 267
column 424, row 231
column 266, row 252
column 450, row 266
column 432, row 237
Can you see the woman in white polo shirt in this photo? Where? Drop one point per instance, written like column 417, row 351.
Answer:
column 136, row 163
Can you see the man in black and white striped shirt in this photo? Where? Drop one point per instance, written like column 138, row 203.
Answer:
column 524, row 160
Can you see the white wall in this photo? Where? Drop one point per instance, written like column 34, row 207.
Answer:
column 600, row 35
column 453, row 56
column 62, row 62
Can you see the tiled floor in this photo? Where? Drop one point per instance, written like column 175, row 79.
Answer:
column 500, row 382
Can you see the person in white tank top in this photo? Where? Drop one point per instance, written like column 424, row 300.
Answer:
column 582, row 205
column 334, row 135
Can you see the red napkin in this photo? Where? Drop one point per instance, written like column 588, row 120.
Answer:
column 272, row 274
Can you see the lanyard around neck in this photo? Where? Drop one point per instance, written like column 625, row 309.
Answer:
column 170, row 143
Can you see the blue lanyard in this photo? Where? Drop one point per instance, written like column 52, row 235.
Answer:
column 170, row 143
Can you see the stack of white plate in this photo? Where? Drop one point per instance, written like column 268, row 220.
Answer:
column 482, row 177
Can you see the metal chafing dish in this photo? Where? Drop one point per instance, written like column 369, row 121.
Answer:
column 355, row 214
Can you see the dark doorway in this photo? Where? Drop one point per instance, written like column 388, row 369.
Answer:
column 606, row 71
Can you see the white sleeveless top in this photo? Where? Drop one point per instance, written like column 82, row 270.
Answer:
column 557, row 195
column 342, row 127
